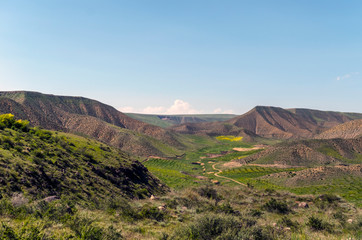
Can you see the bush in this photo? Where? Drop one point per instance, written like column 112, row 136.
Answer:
column 330, row 198
column 7, row 120
column 209, row 227
column 285, row 221
column 151, row 212
column 208, row 192
column 318, row 224
column 277, row 207
column 141, row 193
column 84, row 228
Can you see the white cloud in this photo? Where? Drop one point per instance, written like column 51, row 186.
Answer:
column 217, row 110
column 181, row 107
column 220, row 111
column 178, row 107
column 229, row 111
column 126, row 109
column 346, row 76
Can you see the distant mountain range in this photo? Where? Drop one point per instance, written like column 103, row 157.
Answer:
column 171, row 120
column 272, row 122
column 92, row 118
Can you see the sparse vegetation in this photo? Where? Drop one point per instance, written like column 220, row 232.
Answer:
column 90, row 199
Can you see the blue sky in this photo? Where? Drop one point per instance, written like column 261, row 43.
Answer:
column 190, row 56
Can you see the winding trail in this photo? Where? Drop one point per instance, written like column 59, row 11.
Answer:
column 217, row 175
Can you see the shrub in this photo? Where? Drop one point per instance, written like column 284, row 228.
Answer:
column 318, row 224
column 151, row 212
column 84, row 228
column 277, row 207
column 208, row 192
column 112, row 234
column 22, row 125
column 7, row 120
column 209, row 227
column 7, row 232
column 287, row 222
column 141, row 193
column 330, row 198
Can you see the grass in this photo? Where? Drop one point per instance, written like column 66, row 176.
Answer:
column 32, row 160
column 176, row 119
column 41, row 163
column 219, row 212
column 348, row 187
column 174, row 173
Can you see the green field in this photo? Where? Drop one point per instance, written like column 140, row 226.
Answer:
column 165, row 121
column 348, row 187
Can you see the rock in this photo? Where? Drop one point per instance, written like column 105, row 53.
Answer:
column 215, row 182
column 50, row 198
column 303, row 205
column 162, row 208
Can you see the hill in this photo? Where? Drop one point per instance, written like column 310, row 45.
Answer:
column 92, row 118
column 346, row 130
column 171, row 120
column 272, row 122
column 309, row 153
column 42, row 163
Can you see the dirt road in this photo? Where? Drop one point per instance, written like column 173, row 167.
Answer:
column 217, row 175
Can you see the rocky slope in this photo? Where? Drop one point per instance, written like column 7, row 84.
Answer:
column 352, row 129
column 90, row 117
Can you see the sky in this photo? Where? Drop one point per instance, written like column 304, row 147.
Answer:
column 186, row 57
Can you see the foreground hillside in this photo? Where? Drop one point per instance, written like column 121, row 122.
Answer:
column 272, row 122
column 91, row 118
column 60, row 186
column 41, row 163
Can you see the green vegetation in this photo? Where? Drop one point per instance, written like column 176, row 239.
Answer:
column 60, row 186
column 42, row 163
column 206, row 212
column 165, row 121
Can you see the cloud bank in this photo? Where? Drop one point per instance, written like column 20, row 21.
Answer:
column 178, row 107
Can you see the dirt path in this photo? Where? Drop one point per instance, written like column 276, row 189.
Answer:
column 217, row 175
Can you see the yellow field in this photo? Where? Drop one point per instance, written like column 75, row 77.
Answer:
column 229, row 138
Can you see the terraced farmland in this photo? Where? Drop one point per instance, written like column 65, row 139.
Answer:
column 348, row 187
column 178, row 173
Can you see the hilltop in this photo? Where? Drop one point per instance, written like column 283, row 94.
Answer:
column 272, row 122
column 309, row 153
column 92, row 118
column 42, row 163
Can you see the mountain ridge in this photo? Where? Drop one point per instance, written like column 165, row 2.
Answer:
column 273, row 122
column 103, row 122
